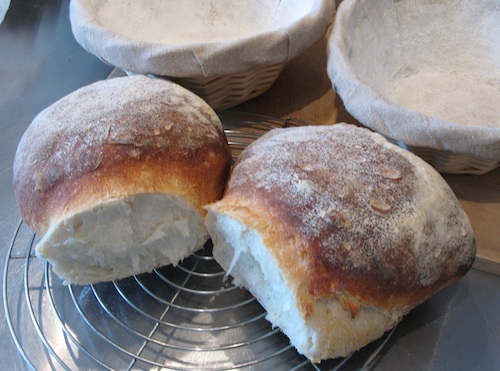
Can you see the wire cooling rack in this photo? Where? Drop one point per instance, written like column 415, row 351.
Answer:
column 188, row 317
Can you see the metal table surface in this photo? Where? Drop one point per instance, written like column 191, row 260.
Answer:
column 40, row 62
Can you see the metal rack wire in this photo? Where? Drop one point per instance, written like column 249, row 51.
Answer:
column 188, row 317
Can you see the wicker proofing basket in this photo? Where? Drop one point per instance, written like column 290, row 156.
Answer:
column 421, row 79
column 225, row 51
column 226, row 91
column 448, row 162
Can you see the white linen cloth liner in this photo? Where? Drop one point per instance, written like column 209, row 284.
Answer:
column 376, row 45
column 291, row 27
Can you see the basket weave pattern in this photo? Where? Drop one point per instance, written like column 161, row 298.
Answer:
column 449, row 162
column 222, row 92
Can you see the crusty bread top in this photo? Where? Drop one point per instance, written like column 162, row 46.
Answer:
column 116, row 138
column 349, row 215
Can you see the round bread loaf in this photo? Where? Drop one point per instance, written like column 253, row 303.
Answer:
column 338, row 234
column 114, row 177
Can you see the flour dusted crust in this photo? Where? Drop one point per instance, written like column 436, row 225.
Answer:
column 112, row 141
column 351, row 221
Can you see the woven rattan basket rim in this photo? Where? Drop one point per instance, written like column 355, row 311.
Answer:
column 449, row 162
column 222, row 92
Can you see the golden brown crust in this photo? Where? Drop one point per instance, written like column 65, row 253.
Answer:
column 117, row 138
column 349, row 216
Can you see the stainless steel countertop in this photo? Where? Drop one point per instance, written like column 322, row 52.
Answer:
column 40, row 62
